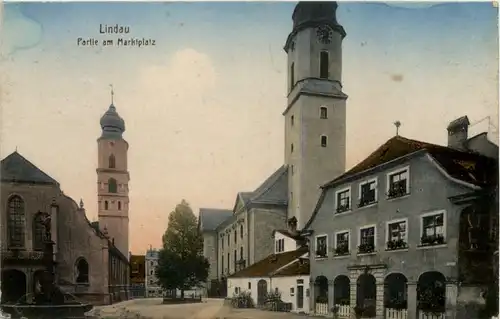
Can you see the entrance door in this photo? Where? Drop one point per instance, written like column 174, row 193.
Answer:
column 261, row 292
column 300, row 297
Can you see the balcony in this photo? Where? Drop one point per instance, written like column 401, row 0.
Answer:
column 16, row 255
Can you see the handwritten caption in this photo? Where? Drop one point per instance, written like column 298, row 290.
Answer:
column 122, row 40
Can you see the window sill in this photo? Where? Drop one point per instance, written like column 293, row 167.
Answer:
column 367, row 205
column 432, row 246
column 394, row 198
column 397, row 250
column 320, row 257
column 342, row 212
column 366, row 254
column 342, row 256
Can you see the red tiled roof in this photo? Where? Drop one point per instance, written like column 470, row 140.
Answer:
column 270, row 264
column 298, row 268
column 463, row 165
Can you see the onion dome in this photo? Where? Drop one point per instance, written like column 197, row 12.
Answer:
column 314, row 11
column 112, row 124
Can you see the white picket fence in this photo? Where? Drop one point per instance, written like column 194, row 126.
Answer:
column 429, row 315
column 344, row 311
column 396, row 313
column 321, row 308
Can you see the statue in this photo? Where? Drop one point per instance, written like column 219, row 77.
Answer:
column 46, row 221
column 474, row 230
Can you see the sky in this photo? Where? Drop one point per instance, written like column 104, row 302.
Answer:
column 203, row 107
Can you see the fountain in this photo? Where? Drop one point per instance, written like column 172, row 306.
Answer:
column 49, row 301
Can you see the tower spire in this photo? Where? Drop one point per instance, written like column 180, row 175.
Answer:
column 112, row 94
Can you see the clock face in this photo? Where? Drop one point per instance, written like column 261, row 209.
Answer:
column 324, row 34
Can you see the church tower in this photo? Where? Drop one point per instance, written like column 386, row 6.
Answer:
column 113, row 179
column 315, row 116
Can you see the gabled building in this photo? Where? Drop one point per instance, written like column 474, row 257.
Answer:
column 137, row 276
column 284, row 272
column 88, row 264
column 411, row 229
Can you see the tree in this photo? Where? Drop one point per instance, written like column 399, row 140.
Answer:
column 181, row 263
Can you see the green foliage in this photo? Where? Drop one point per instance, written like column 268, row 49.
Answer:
column 181, row 262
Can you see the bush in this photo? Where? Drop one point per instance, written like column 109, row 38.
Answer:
column 242, row 300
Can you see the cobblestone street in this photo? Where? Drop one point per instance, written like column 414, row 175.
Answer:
column 209, row 309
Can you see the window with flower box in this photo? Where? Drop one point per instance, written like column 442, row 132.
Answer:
column 342, row 243
column 397, row 234
column 368, row 193
column 366, row 240
column 398, row 183
column 433, row 228
column 321, row 246
column 343, row 200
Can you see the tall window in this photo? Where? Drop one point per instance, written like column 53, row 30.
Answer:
column 398, row 184
column 321, row 246
column 291, row 148
column 366, row 240
column 16, row 222
column 112, row 161
column 222, row 264
column 112, row 187
column 235, row 236
column 228, row 240
column 241, row 231
column 292, row 75
column 323, row 112
column 38, row 232
column 106, row 205
column 241, row 253
column 324, row 72
column 119, row 205
column 292, row 120
column 368, row 193
column 433, row 229
column 235, row 259
column 324, row 140
column 343, row 200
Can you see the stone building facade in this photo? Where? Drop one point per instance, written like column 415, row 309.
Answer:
column 153, row 288
column 407, row 229
column 82, row 252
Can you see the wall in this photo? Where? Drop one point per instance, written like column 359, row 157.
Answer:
column 429, row 191
column 264, row 223
column 210, row 252
column 285, row 283
column 243, row 285
column 74, row 236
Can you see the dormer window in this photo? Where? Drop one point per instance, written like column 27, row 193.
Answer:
column 280, row 245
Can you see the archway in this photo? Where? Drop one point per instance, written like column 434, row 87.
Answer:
column 366, row 295
column 82, row 271
column 342, row 290
column 395, row 292
column 261, row 292
column 13, row 285
column 431, row 292
column 321, row 295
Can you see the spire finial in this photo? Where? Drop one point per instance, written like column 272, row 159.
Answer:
column 16, row 148
column 112, row 93
column 397, row 124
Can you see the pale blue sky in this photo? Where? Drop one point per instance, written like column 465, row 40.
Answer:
column 203, row 107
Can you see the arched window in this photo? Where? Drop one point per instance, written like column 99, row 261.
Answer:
column 82, row 271
column 38, row 232
column 112, row 187
column 106, row 205
column 119, row 205
column 16, row 222
column 112, row 161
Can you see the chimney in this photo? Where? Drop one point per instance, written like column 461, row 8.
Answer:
column 292, row 225
column 458, row 133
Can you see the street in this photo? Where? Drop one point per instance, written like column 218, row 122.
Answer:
column 209, row 309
